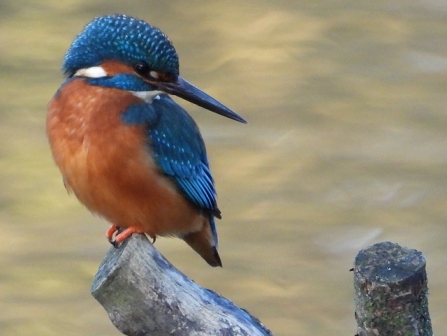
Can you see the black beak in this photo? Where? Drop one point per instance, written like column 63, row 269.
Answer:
column 189, row 92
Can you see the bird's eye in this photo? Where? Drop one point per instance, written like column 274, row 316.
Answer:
column 142, row 68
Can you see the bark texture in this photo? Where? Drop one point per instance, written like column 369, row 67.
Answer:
column 391, row 292
column 144, row 294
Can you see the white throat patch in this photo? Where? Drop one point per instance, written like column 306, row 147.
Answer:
column 147, row 96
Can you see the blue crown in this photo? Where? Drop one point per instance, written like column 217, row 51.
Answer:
column 121, row 38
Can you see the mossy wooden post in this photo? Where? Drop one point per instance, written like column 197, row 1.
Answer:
column 145, row 295
column 391, row 292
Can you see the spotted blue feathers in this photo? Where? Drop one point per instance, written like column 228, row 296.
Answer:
column 121, row 38
column 179, row 150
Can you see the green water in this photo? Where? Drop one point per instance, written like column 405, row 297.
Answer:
column 346, row 146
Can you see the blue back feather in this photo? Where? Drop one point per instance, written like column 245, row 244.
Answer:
column 178, row 149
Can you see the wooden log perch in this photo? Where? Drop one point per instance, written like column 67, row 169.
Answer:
column 391, row 291
column 144, row 294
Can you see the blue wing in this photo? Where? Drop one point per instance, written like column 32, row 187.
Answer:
column 179, row 150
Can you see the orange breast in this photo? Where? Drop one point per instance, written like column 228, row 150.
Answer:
column 107, row 163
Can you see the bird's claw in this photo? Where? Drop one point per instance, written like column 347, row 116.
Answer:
column 115, row 236
column 111, row 233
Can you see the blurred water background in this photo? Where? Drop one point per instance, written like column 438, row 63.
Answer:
column 346, row 146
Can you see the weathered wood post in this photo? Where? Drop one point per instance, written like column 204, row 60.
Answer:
column 145, row 295
column 391, row 292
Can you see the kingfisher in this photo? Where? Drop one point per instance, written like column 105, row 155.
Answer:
column 126, row 150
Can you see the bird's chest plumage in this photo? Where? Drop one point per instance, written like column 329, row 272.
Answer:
column 106, row 162
column 89, row 141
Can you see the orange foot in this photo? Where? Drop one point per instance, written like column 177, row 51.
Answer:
column 122, row 236
column 111, row 232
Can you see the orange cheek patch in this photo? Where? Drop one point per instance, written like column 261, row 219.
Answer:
column 113, row 68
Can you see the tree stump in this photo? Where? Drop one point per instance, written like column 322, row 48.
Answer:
column 391, row 292
column 144, row 294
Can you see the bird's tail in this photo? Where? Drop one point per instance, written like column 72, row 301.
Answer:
column 204, row 242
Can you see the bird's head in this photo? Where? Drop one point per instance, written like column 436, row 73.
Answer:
column 126, row 53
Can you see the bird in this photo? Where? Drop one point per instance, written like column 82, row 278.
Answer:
column 124, row 147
